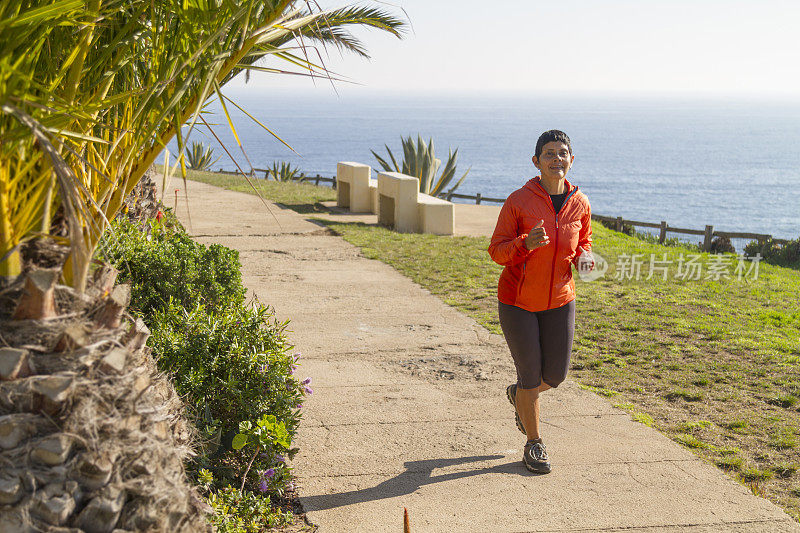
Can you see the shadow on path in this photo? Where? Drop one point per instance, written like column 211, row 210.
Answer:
column 417, row 474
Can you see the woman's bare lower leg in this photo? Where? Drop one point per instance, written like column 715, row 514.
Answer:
column 528, row 409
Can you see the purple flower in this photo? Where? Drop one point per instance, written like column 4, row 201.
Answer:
column 308, row 390
column 306, row 381
column 269, row 473
column 280, row 459
column 263, row 486
column 298, row 406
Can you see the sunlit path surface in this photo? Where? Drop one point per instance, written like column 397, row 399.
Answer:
column 409, row 407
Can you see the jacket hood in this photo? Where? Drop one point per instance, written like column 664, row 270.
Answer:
column 535, row 185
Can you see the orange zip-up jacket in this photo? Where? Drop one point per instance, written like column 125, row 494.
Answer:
column 540, row 279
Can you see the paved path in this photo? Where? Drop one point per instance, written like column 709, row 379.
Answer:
column 409, row 408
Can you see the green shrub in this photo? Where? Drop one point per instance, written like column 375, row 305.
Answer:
column 229, row 360
column 162, row 264
column 242, row 511
column 232, row 366
column 785, row 255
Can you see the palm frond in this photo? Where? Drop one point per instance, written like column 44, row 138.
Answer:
column 107, row 84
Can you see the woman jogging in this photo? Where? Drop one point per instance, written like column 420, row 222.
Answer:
column 543, row 229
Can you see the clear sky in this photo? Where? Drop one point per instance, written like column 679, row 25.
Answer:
column 725, row 47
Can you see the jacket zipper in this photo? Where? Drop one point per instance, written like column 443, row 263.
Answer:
column 553, row 266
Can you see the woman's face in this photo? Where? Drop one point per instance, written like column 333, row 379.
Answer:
column 555, row 161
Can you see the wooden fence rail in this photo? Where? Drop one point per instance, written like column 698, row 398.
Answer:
column 316, row 179
column 707, row 233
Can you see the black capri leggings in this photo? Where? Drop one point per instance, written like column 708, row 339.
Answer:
column 540, row 343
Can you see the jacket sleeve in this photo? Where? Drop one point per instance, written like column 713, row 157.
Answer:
column 585, row 233
column 507, row 248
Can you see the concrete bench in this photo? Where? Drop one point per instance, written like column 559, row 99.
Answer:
column 402, row 207
column 355, row 189
column 436, row 216
column 397, row 201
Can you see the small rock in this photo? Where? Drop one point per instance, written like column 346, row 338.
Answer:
column 29, row 481
column 53, row 450
column 16, row 427
column 132, row 423
column 141, row 382
column 73, row 338
column 161, row 430
column 481, row 376
column 13, row 522
column 93, row 470
column 102, row 513
column 137, row 336
column 15, row 363
column 114, row 361
column 110, row 314
column 55, row 503
column 54, row 387
column 11, row 489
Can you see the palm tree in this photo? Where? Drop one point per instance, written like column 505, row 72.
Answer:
column 91, row 91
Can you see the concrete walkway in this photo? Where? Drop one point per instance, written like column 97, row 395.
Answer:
column 409, row 408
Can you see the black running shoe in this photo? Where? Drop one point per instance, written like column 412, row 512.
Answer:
column 535, row 458
column 511, row 393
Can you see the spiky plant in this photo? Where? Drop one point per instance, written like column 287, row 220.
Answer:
column 419, row 160
column 91, row 91
column 200, row 156
column 283, row 171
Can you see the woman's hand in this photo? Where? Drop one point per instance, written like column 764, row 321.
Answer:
column 536, row 237
column 585, row 261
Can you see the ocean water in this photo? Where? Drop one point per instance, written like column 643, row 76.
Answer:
column 732, row 164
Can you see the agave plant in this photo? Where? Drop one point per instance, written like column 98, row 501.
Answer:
column 284, row 171
column 91, row 91
column 420, row 161
column 199, row 156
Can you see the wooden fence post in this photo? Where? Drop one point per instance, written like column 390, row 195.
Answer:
column 478, row 199
column 662, row 235
column 619, row 224
column 707, row 240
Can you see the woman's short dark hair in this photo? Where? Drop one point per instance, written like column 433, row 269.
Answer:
column 552, row 136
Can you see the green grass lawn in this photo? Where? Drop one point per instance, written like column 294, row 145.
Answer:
column 714, row 364
column 300, row 197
